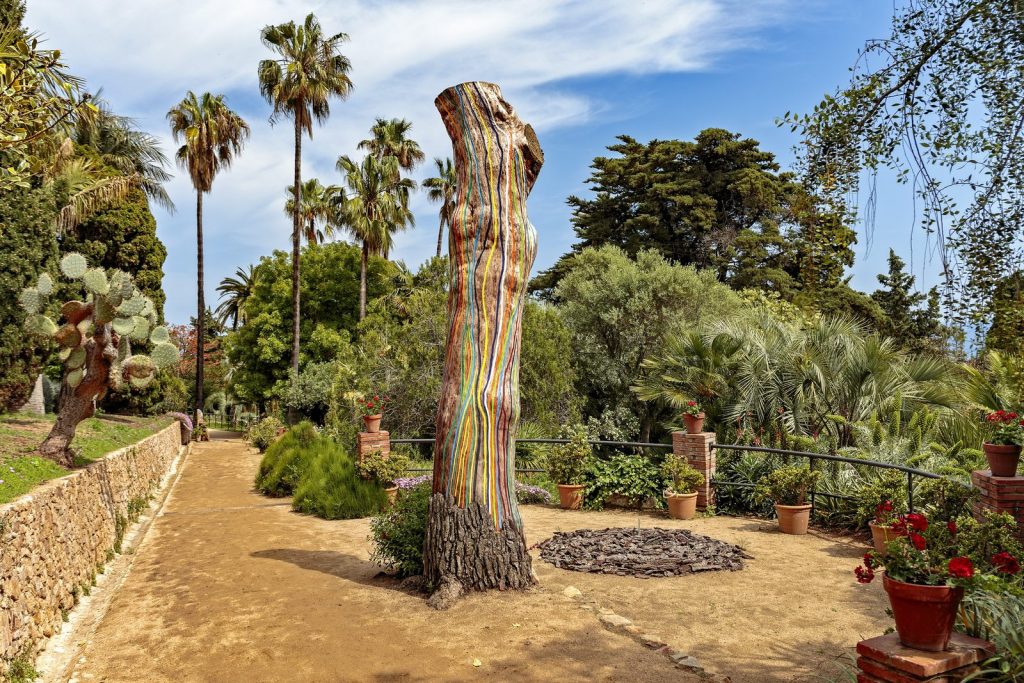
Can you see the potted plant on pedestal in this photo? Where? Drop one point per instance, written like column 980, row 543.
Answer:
column 372, row 409
column 567, row 465
column 883, row 527
column 929, row 567
column 681, row 492
column 1002, row 449
column 385, row 469
column 694, row 417
column 788, row 488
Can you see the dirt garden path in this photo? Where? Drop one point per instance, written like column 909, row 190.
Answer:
column 231, row 586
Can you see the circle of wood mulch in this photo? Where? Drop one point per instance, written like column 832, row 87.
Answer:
column 643, row 553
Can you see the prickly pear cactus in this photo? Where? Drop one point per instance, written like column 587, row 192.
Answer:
column 94, row 336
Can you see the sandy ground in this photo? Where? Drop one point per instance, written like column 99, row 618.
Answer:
column 232, row 586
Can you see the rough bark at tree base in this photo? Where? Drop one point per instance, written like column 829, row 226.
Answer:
column 463, row 551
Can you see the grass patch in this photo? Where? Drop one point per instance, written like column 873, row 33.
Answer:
column 20, row 435
column 332, row 489
column 285, row 461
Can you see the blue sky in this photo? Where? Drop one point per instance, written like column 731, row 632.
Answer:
column 582, row 71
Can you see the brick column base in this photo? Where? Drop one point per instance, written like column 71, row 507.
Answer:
column 696, row 448
column 1000, row 494
column 885, row 660
column 368, row 442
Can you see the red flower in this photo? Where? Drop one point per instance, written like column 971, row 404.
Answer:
column 917, row 540
column 691, row 403
column 961, row 568
column 917, row 522
column 1006, row 563
column 869, row 561
column 864, row 574
column 951, row 525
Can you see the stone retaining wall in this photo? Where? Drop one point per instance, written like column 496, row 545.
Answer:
column 54, row 539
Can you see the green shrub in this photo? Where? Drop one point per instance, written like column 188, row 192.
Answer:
column 331, row 488
column 398, row 534
column 634, row 477
column 567, row 462
column 996, row 615
column 946, row 500
column 887, row 485
column 263, row 433
column 744, row 470
column 384, row 469
column 681, row 477
column 286, row 460
column 787, row 485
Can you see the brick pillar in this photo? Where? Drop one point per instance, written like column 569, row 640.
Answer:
column 885, row 660
column 1000, row 494
column 696, row 448
column 368, row 442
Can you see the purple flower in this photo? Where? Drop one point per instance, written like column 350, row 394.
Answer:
column 525, row 493
column 412, row 482
column 183, row 419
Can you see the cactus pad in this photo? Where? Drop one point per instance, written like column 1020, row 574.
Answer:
column 96, row 281
column 132, row 306
column 140, row 366
column 75, row 311
column 44, row 284
column 74, row 377
column 68, row 336
column 140, row 331
column 77, row 358
column 41, row 325
column 31, row 300
column 73, row 265
column 140, row 382
column 164, row 354
column 123, row 325
column 159, row 335
column 104, row 310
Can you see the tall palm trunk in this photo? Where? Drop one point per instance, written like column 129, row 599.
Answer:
column 296, row 234
column 201, row 317
column 440, row 236
column 362, row 279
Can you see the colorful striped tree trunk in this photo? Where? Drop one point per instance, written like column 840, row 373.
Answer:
column 474, row 536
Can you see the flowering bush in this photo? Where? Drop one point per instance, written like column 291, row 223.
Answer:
column 373, row 405
column 527, row 493
column 885, row 514
column 691, row 408
column 946, row 554
column 183, row 419
column 1009, row 428
column 406, row 483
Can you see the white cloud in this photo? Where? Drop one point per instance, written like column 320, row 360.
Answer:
column 147, row 53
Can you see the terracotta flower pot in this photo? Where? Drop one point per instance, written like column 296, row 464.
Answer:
column 880, row 535
column 570, row 496
column 392, row 495
column 924, row 614
column 372, row 423
column 681, row 505
column 793, row 519
column 1002, row 459
column 694, row 423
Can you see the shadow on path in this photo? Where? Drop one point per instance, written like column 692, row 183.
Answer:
column 332, row 563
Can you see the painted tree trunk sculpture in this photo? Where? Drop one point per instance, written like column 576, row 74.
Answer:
column 474, row 537
column 95, row 344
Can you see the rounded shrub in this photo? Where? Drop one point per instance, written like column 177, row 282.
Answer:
column 329, row 486
column 398, row 534
column 260, row 435
column 285, row 460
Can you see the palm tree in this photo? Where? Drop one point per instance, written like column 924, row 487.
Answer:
column 212, row 136
column 442, row 189
column 316, row 206
column 373, row 204
column 234, row 293
column 100, row 161
column 299, row 84
column 390, row 139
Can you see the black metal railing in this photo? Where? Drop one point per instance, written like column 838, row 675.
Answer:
column 813, row 458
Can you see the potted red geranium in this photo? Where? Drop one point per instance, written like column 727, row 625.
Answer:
column 694, row 417
column 928, row 568
column 882, row 526
column 1002, row 450
column 371, row 409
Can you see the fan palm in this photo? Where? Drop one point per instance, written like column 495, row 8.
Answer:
column 372, row 205
column 299, row 83
column 234, row 293
column 441, row 188
column 390, row 139
column 212, row 135
column 316, row 209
